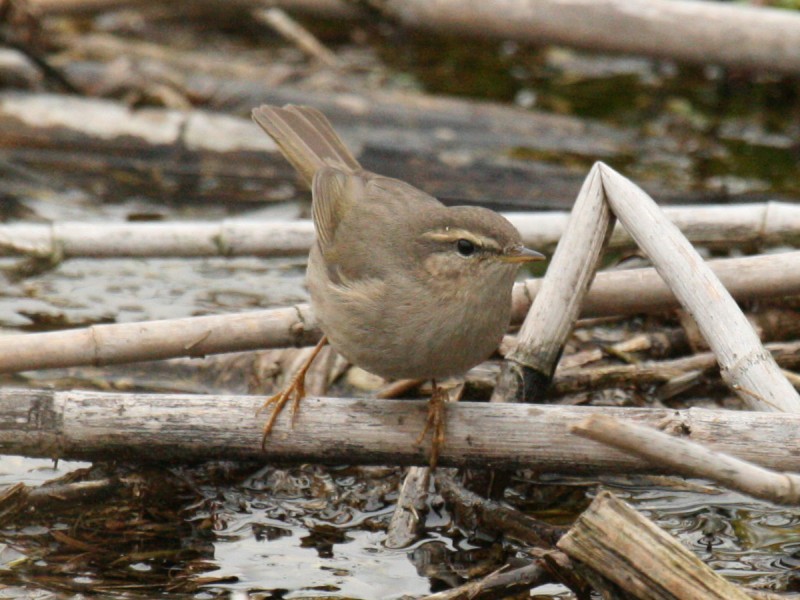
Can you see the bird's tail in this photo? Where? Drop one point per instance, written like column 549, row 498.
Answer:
column 306, row 138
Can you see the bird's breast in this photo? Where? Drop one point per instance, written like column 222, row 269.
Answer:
column 417, row 328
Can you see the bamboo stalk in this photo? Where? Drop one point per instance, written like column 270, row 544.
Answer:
column 697, row 32
column 230, row 237
column 644, row 291
column 189, row 428
column 529, row 367
column 723, row 226
column 691, row 459
column 714, row 226
column 745, row 365
column 612, row 293
column 153, row 340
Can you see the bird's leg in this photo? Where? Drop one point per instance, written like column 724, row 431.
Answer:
column 435, row 422
column 295, row 387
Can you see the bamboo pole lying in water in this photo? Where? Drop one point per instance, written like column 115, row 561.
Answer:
column 716, row 226
column 612, row 293
column 186, row 427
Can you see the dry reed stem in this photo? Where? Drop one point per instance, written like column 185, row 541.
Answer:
column 612, row 293
column 692, row 460
column 722, row 226
column 530, row 364
column 186, row 427
column 744, row 363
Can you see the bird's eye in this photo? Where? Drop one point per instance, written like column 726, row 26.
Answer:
column 465, row 247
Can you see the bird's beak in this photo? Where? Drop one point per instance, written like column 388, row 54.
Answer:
column 521, row 254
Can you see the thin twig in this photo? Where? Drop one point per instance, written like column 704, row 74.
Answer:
column 692, row 459
column 298, row 35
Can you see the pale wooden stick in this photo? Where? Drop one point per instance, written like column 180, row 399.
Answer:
column 530, row 365
column 691, row 459
column 153, row 340
column 625, row 547
column 698, row 32
column 298, row 35
column 186, row 239
column 744, row 364
column 762, row 225
column 644, row 291
column 185, row 427
column 409, row 513
column 612, row 293
column 715, row 226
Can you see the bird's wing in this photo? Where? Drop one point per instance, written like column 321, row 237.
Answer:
column 333, row 193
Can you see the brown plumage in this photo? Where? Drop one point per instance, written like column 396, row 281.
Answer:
column 402, row 285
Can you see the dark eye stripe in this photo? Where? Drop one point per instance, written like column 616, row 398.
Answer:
column 465, row 247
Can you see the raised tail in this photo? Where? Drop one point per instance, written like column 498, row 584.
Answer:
column 306, row 138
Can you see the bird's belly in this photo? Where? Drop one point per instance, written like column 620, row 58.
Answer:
column 440, row 351
column 415, row 338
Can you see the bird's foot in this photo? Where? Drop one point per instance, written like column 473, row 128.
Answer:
column 295, row 388
column 435, row 423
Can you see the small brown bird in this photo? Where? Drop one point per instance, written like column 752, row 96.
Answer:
column 402, row 286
